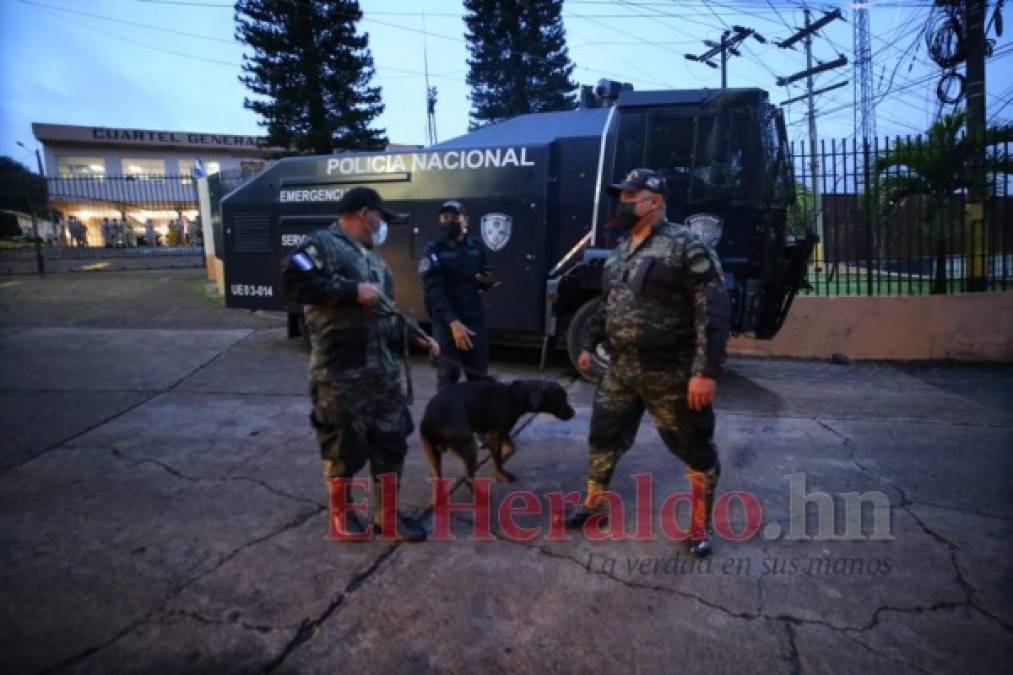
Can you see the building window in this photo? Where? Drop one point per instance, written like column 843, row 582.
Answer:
column 143, row 169
column 75, row 167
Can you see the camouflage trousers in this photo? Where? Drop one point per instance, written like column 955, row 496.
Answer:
column 619, row 403
column 360, row 422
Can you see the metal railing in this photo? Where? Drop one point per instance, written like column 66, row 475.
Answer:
column 135, row 191
column 108, row 212
column 893, row 216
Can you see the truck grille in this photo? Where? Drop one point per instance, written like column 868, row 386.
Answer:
column 251, row 233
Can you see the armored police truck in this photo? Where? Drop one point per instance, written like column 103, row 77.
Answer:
column 535, row 190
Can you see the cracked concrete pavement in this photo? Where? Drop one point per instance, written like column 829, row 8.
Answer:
column 161, row 510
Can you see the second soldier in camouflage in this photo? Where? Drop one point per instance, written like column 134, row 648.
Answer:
column 665, row 319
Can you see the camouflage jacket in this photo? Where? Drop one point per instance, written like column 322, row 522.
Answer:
column 664, row 304
column 349, row 342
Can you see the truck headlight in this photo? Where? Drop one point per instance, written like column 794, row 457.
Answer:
column 707, row 226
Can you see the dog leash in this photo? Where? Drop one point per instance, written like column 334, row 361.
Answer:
column 386, row 307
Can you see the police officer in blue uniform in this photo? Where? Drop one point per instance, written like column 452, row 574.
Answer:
column 454, row 272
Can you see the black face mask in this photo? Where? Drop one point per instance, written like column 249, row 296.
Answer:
column 452, row 229
column 626, row 215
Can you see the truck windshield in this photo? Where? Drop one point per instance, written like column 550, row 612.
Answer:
column 707, row 150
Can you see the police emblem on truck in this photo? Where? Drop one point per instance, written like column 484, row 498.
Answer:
column 496, row 228
column 708, row 226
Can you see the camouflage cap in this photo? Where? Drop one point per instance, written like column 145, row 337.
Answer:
column 640, row 179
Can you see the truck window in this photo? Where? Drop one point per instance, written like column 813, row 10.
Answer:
column 670, row 145
column 630, row 145
column 704, row 149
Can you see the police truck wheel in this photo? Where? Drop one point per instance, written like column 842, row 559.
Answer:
column 575, row 337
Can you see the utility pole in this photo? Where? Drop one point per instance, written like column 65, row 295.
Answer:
column 40, row 261
column 974, row 211
column 805, row 34
column 730, row 41
column 813, row 163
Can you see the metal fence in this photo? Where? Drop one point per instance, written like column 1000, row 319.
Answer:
column 893, row 216
column 110, row 212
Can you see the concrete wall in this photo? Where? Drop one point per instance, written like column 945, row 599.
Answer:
column 968, row 327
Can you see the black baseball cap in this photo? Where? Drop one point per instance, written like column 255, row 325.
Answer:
column 640, row 179
column 368, row 198
column 454, row 206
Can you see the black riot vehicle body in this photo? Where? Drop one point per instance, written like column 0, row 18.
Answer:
column 535, row 190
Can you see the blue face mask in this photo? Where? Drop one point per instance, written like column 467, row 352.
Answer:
column 380, row 236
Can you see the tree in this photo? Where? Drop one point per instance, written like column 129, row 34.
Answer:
column 20, row 188
column 802, row 212
column 937, row 168
column 311, row 72
column 518, row 61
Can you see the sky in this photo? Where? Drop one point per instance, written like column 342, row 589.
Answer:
column 174, row 64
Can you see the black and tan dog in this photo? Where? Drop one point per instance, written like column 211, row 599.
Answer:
column 490, row 409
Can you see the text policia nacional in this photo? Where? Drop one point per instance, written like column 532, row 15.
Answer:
column 448, row 160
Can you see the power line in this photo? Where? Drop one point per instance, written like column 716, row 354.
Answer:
column 143, row 44
column 655, row 16
column 627, row 43
column 730, row 41
column 746, row 47
column 230, row 5
column 999, row 54
column 628, row 34
column 824, row 90
column 413, row 30
column 135, row 24
column 650, row 78
column 172, row 52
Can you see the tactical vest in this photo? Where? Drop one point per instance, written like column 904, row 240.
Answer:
column 649, row 304
column 350, row 343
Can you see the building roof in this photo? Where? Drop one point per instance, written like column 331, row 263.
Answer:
column 533, row 129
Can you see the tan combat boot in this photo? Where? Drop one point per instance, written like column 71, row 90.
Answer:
column 702, row 486
column 594, row 503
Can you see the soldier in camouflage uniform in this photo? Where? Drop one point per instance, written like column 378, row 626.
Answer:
column 665, row 317
column 359, row 412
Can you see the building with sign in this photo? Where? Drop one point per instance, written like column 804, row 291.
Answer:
column 75, row 151
column 137, row 177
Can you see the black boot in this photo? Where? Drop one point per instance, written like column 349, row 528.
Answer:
column 592, row 505
column 405, row 529
column 703, row 485
column 350, row 526
column 355, row 528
